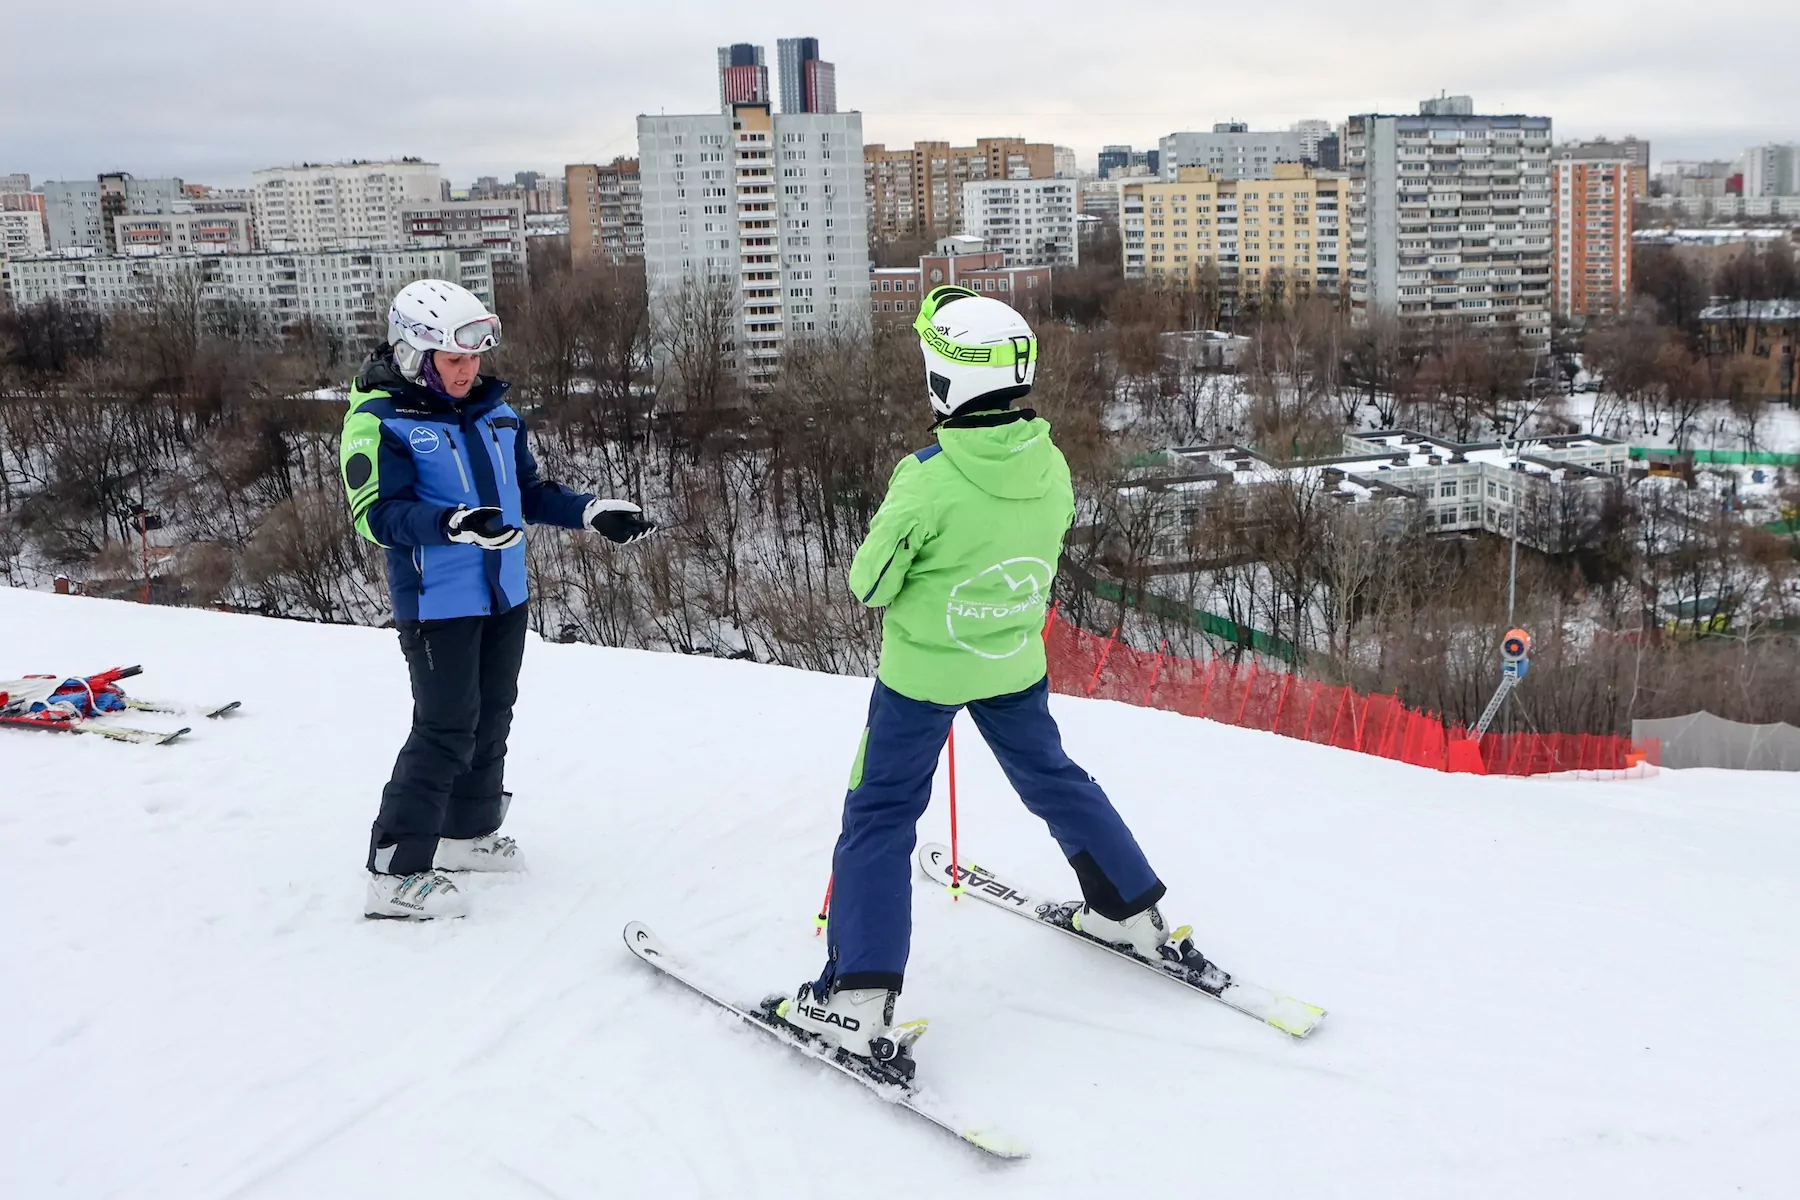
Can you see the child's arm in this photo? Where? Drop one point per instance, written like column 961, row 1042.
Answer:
column 901, row 525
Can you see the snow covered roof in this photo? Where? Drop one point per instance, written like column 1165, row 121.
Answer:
column 1760, row 312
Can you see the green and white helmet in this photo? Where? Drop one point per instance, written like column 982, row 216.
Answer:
column 975, row 348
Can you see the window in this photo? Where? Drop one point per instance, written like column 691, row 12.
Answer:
column 1447, row 488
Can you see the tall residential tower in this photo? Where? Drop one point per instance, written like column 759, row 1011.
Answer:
column 808, row 83
column 743, row 78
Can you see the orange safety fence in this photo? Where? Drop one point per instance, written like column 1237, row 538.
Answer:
column 1252, row 696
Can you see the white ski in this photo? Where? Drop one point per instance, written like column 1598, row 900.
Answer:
column 167, row 706
column 648, row 947
column 1291, row 1016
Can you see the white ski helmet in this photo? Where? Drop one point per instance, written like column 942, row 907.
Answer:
column 435, row 314
column 975, row 348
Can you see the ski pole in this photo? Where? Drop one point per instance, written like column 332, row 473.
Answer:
column 824, row 906
column 955, row 860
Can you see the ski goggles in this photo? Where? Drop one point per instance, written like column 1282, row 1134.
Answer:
column 1017, row 351
column 477, row 337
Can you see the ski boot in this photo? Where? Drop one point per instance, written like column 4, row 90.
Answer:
column 1146, row 936
column 489, row 852
column 858, row 1023
column 417, row 897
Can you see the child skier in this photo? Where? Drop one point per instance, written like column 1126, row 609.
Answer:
column 961, row 555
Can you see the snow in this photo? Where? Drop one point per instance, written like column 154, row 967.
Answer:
column 1536, row 988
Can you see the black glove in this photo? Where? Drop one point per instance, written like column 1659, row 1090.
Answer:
column 620, row 520
column 485, row 527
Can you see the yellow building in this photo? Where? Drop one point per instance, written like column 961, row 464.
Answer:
column 1248, row 234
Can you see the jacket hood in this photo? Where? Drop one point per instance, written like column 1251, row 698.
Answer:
column 1012, row 461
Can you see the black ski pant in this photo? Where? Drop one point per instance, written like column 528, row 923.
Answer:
column 447, row 780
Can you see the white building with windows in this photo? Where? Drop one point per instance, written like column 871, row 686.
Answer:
column 1231, row 151
column 347, row 290
column 769, row 208
column 1450, row 221
column 1030, row 221
column 353, row 205
column 183, row 232
column 82, row 212
column 22, row 234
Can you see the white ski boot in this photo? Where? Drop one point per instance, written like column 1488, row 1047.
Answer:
column 489, row 852
column 1144, row 934
column 860, row 1022
column 418, row 897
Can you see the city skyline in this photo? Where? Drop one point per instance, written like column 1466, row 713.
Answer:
column 563, row 83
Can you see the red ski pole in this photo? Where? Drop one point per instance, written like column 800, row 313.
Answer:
column 955, row 859
column 824, row 906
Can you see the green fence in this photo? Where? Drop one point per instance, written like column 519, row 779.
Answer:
column 1726, row 458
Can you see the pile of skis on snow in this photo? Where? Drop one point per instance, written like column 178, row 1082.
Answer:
column 86, row 704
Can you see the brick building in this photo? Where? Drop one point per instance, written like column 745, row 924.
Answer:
column 966, row 262
column 606, row 212
column 917, row 191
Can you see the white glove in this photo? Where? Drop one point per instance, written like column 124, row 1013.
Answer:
column 620, row 520
column 485, row 527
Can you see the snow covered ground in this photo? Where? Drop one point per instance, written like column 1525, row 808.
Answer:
column 1536, row 988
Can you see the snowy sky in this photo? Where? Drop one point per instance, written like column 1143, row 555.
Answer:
column 211, row 90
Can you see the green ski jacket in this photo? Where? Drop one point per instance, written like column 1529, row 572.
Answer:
column 961, row 554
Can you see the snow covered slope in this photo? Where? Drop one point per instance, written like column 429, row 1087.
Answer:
column 1536, row 988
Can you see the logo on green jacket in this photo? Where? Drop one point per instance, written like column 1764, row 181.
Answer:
column 1009, row 597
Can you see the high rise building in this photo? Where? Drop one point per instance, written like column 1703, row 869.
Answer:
column 17, row 183
column 1112, row 158
column 743, row 78
column 1591, row 202
column 22, row 233
column 1312, row 131
column 917, row 191
column 1633, row 150
column 766, row 209
column 1251, row 235
column 1031, row 222
column 808, row 83
column 1450, row 218
column 84, row 213
column 1062, row 159
column 184, row 231
column 606, row 212
column 341, row 206
column 1772, row 170
column 1230, row 151
column 494, row 225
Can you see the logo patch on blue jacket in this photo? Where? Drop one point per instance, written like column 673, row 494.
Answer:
column 423, row 439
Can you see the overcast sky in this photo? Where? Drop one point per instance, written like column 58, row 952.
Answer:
column 209, row 90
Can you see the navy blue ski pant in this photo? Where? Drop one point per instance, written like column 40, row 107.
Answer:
column 448, row 778
column 890, row 787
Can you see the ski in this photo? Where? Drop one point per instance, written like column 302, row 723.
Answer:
column 1185, row 967
column 213, row 711
column 647, row 946
column 116, row 733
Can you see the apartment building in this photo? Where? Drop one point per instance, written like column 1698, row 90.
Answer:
column 606, row 212
column 341, row 206
column 1231, row 151
column 767, row 206
column 1449, row 219
column 22, row 233
column 1634, row 150
column 346, row 290
column 743, row 77
column 1591, row 202
column 1251, row 236
column 1311, row 132
column 917, row 191
column 1772, row 170
column 808, row 83
column 497, row 226
column 184, row 231
column 82, row 212
column 1030, row 222
column 964, row 261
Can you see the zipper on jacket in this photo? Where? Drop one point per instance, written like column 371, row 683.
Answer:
column 499, row 458
column 462, row 472
column 419, row 566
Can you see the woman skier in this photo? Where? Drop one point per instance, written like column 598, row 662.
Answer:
column 438, row 473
